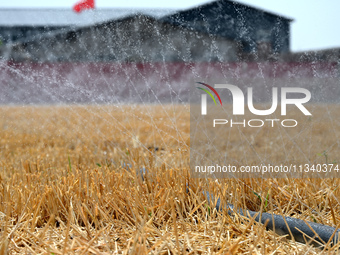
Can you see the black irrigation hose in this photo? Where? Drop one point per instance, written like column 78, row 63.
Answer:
column 302, row 231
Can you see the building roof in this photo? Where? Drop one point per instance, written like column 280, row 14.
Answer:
column 262, row 10
column 67, row 17
column 236, row 4
column 62, row 17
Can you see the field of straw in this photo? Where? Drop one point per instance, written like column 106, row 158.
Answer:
column 70, row 184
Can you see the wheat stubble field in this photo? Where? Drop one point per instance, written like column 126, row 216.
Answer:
column 69, row 186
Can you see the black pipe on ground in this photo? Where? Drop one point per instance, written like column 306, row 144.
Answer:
column 302, row 231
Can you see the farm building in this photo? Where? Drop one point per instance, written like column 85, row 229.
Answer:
column 254, row 29
column 222, row 30
column 135, row 38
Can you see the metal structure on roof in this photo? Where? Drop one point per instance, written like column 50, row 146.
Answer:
column 67, row 17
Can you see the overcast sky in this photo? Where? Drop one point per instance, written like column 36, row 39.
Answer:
column 316, row 22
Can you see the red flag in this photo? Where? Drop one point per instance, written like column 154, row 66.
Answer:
column 83, row 5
